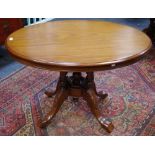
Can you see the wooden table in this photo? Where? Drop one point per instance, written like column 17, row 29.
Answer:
column 78, row 46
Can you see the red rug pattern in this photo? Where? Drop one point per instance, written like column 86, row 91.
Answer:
column 131, row 104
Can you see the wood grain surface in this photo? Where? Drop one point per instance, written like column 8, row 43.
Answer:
column 78, row 45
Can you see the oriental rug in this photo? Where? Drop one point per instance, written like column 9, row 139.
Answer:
column 131, row 103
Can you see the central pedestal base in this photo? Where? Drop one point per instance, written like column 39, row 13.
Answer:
column 76, row 86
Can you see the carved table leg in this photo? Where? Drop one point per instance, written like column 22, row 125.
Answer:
column 60, row 96
column 50, row 93
column 90, row 77
column 90, row 97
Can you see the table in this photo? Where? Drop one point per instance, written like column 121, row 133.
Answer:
column 78, row 46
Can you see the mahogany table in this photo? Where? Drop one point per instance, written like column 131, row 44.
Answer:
column 78, row 46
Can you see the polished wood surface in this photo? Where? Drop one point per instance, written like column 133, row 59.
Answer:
column 77, row 45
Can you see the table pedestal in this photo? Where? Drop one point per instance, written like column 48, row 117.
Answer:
column 76, row 86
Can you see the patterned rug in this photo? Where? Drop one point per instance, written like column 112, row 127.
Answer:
column 131, row 104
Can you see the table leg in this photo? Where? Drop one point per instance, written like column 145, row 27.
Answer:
column 90, row 97
column 59, row 98
column 50, row 93
column 77, row 86
column 90, row 78
column 61, row 94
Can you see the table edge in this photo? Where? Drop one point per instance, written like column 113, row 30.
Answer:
column 82, row 68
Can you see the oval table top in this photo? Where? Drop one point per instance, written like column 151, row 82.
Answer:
column 78, row 45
